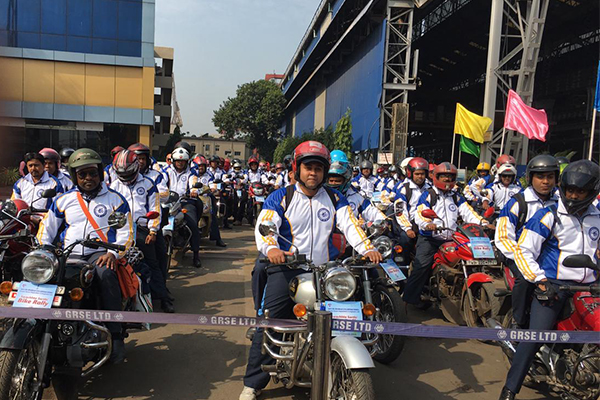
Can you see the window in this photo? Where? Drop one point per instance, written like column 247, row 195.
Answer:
column 216, row 148
column 227, row 153
column 194, row 148
column 237, row 153
column 207, row 148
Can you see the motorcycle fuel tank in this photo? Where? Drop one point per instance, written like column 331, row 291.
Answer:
column 302, row 290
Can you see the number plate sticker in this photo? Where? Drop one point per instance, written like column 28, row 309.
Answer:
column 171, row 225
column 482, row 247
column 348, row 310
column 34, row 296
column 392, row 271
column 481, row 262
column 260, row 199
column 219, row 186
column 239, row 193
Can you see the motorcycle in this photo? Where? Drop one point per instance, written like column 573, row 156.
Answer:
column 35, row 353
column 223, row 193
column 459, row 282
column 573, row 370
column 321, row 287
column 257, row 194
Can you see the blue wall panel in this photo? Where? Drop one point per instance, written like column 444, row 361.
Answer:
column 305, row 117
column 357, row 85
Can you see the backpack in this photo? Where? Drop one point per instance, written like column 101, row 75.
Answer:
column 289, row 194
column 434, row 198
column 522, row 216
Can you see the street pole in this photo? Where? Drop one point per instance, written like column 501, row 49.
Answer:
column 321, row 328
column 459, row 155
column 592, row 133
column 453, row 143
column 502, row 143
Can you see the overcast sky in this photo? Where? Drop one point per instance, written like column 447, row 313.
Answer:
column 220, row 44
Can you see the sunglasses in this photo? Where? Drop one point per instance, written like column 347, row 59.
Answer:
column 91, row 173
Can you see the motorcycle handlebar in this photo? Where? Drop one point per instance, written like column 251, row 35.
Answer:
column 108, row 246
column 289, row 259
column 593, row 289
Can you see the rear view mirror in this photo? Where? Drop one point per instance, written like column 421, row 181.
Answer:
column 117, row 220
column 267, row 228
column 429, row 214
column 580, row 261
column 488, row 213
column 48, row 193
column 173, row 197
column 152, row 215
column 198, row 185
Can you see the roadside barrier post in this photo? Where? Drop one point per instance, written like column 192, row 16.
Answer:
column 321, row 329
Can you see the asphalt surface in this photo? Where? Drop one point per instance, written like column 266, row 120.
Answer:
column 187, row 363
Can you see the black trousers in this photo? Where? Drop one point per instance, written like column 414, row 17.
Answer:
column 259, row 281
column 521, row 295
column 158, row 288
column 191, row 220
column 215, row 233
column 421, row 272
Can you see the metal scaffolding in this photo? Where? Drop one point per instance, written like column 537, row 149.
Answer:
column 397, row 78
column 518, row 39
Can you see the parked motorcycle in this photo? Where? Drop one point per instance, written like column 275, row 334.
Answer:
column 320, row 287
column 257, row 194
column 573, row 370
column 459, row 282
column 35, row 353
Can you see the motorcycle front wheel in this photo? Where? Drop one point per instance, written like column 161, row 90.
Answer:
column 390, row 308
column 486, row 305
column 18, row 374
column 349, row 384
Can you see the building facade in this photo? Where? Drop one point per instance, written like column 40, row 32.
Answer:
column 210, row 146
column 75, row 73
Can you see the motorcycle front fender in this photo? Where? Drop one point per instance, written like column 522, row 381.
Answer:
column 478, row 277
column 16, row 336
column 354, row 354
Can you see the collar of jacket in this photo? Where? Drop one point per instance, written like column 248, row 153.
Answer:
column 45, row 178
column 103, row 190
column 531, row 196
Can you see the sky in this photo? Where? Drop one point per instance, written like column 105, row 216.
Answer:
column 221, row 44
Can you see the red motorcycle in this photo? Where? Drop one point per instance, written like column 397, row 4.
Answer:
column 257, row 194
column 573, row 370
column 459, row 283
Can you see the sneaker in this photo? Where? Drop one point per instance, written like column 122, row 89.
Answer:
column 117, row 356
column 249, row 393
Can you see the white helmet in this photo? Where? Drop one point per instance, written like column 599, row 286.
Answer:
column 404, row 164
column 507, row 169
column 180, row 154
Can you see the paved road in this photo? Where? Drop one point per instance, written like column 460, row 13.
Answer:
column 187, row 363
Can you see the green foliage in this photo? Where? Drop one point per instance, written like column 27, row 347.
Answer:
column 343, row 135
column 287, row 145
column 567, row 153
column 8, row 176
column 175, row 137
column 254, row 114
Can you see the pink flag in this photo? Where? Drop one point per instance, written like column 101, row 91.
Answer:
column 524, row 119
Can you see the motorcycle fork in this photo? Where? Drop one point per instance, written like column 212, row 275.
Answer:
column 367, row 286
column 43, row 356
column 469, row 293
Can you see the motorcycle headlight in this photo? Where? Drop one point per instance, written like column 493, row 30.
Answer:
column 9, row 207
column 258, row 192
column 384, row 245
column 339, row 284
column 39, row 266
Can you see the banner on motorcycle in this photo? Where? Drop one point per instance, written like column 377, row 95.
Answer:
column 387, row 328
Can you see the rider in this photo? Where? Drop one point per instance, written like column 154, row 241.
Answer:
column 142, row 196
column 502, row 190
column 477, row 183
column 206, row 178
column 65, row 153
column 178, row 177
column 52, row 166
column 216, row 172
column 251, row 176
column 85, row 210
column 567, row 228
column 366, row 181
column 448, row 204
column 30, row 187
column 109, row 172
column 542, row 175
column 329, row 209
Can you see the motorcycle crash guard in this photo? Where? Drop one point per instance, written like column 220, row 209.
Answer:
column 353, row 353
column 478, row 277
column 16, row 336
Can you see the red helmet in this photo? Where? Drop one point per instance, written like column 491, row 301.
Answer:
column 444, row 168
column 226, row 164
column 279, row 166
column 505, row 159
column 115, row 150
column 431, row 168
column 253, row 160
column 200, row 160
column 268, row 165
column 139, row 148
column 126, row 166
column 380, row 170
column 310, row 151
column 51, row 154
column 415, row 164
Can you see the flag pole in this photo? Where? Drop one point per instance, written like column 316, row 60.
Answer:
column 502, row 143
column 453, row 144
column 592, row 133
column 459, row 154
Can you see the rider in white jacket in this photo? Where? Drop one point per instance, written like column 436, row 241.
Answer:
column 501, row 191
column 30, row 187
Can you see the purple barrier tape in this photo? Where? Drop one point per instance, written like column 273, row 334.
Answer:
column 391, row 328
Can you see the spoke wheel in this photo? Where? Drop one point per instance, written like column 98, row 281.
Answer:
column 349, row 384
column 486, row 305
column 390, row 309
column 18, row 374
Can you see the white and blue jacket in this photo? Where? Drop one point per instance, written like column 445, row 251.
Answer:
column 142, row 197
column 448, row 212
column 550, row 236
column 409, row 209
column 178, row 182
column 362, row 207
column 110, row 175
column 161, row 183
column 309, row 224
column 367, row 185
column 66, row 209
column 475, row 186
column 506, row 235
column 30, row 192
column 499, row 195
column 65, row 180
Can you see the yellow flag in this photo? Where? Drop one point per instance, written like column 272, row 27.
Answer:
column 470, row 125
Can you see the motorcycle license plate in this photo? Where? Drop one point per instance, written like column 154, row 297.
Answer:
column 239, row 193
column 345, row 310
column 481, row 262
column 260, row 199
column 219, row 186
column 393, row 271
column 29, row 295
column 171, row 225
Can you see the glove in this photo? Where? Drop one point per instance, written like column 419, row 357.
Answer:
column 548, row 295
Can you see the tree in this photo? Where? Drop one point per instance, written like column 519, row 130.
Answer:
column 343, row 134
column 175, row 137
column 287, row 145
column 254, row 114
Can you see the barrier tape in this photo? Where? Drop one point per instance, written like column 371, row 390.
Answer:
column 390, row 328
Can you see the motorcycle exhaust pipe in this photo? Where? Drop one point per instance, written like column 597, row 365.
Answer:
column 505, row 344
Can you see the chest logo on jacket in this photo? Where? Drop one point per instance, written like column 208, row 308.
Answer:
column 324, row 214
column 594, row 233
column 100, row 210
column 183, row 178
column 452, row 207
column 140, row 191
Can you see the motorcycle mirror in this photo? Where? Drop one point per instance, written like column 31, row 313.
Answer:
column 48, row 193
column 198, row 185
column 580, row 261
column 267, row 228
column 429, row 214
column 484, row 192
column 399, row 207
column 218, row 181
column 117, row 220
column 488, row 213
column 173, row 197
column 152, row 215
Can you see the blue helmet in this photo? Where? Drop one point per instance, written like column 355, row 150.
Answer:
column 338, row 168
column 339, row 156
